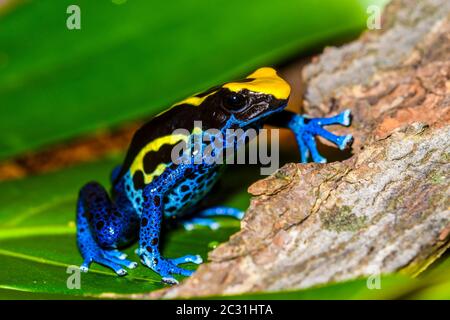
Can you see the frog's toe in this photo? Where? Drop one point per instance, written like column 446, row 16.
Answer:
column 116, row 253
column 169, row 280
column 344, row 142
column 166, row 268
column 109, row 258
column 181, row 271
column 188, row 258
column 222, row 211
column 85, row 266
column 129, row 264
column 118, row 268
column 346, row 117
column 121, row 262
column 119, row 258
column 121, row 272
column 206, row 222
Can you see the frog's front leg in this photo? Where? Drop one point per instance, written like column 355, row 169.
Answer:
column 305, row 129
column 152, row 215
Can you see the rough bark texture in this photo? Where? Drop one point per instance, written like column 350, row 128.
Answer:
column 384, row 209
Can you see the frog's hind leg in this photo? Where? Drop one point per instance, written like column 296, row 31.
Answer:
column 99, row 228
column 203, row 218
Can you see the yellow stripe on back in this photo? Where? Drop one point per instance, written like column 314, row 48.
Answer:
column 155, row 145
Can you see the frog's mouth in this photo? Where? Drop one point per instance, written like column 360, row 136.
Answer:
column 265, row 113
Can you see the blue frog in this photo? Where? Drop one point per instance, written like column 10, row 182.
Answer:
column 150, row 186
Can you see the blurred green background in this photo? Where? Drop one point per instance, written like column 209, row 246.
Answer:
column 136, row 58
column 130, row 60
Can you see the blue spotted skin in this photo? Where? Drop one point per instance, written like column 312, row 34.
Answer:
column 135, row 211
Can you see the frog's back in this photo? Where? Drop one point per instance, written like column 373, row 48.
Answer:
column 149, row 155
column 151, row 143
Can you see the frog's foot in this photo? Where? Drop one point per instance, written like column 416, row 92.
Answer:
column 191, row 223
column 222, row 211
column 305, row 129
column 187, row 258
column 116, row 253
column 112, row 259
column 166, row 268
column 202, row 218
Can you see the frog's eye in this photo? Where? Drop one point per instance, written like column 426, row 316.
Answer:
column 235, row 102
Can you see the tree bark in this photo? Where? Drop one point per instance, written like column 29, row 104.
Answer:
column 385, row 209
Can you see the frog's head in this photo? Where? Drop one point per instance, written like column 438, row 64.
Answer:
column 236, row 104
column 254, row 98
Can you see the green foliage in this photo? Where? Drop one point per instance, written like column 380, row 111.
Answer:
column 135, row 59
column 37, row 238
column 434, row 284
column 132, row 59
column 37, row 244
column 391, row 287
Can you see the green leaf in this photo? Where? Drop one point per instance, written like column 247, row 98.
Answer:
column 392, row 286
column 135, row 59
column 37, row 244
column 436, row 281
column 37, row 237
column 433, row 284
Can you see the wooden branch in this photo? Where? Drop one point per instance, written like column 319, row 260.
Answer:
column 386, row 208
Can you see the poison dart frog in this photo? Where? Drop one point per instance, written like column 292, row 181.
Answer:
column 150, row 186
